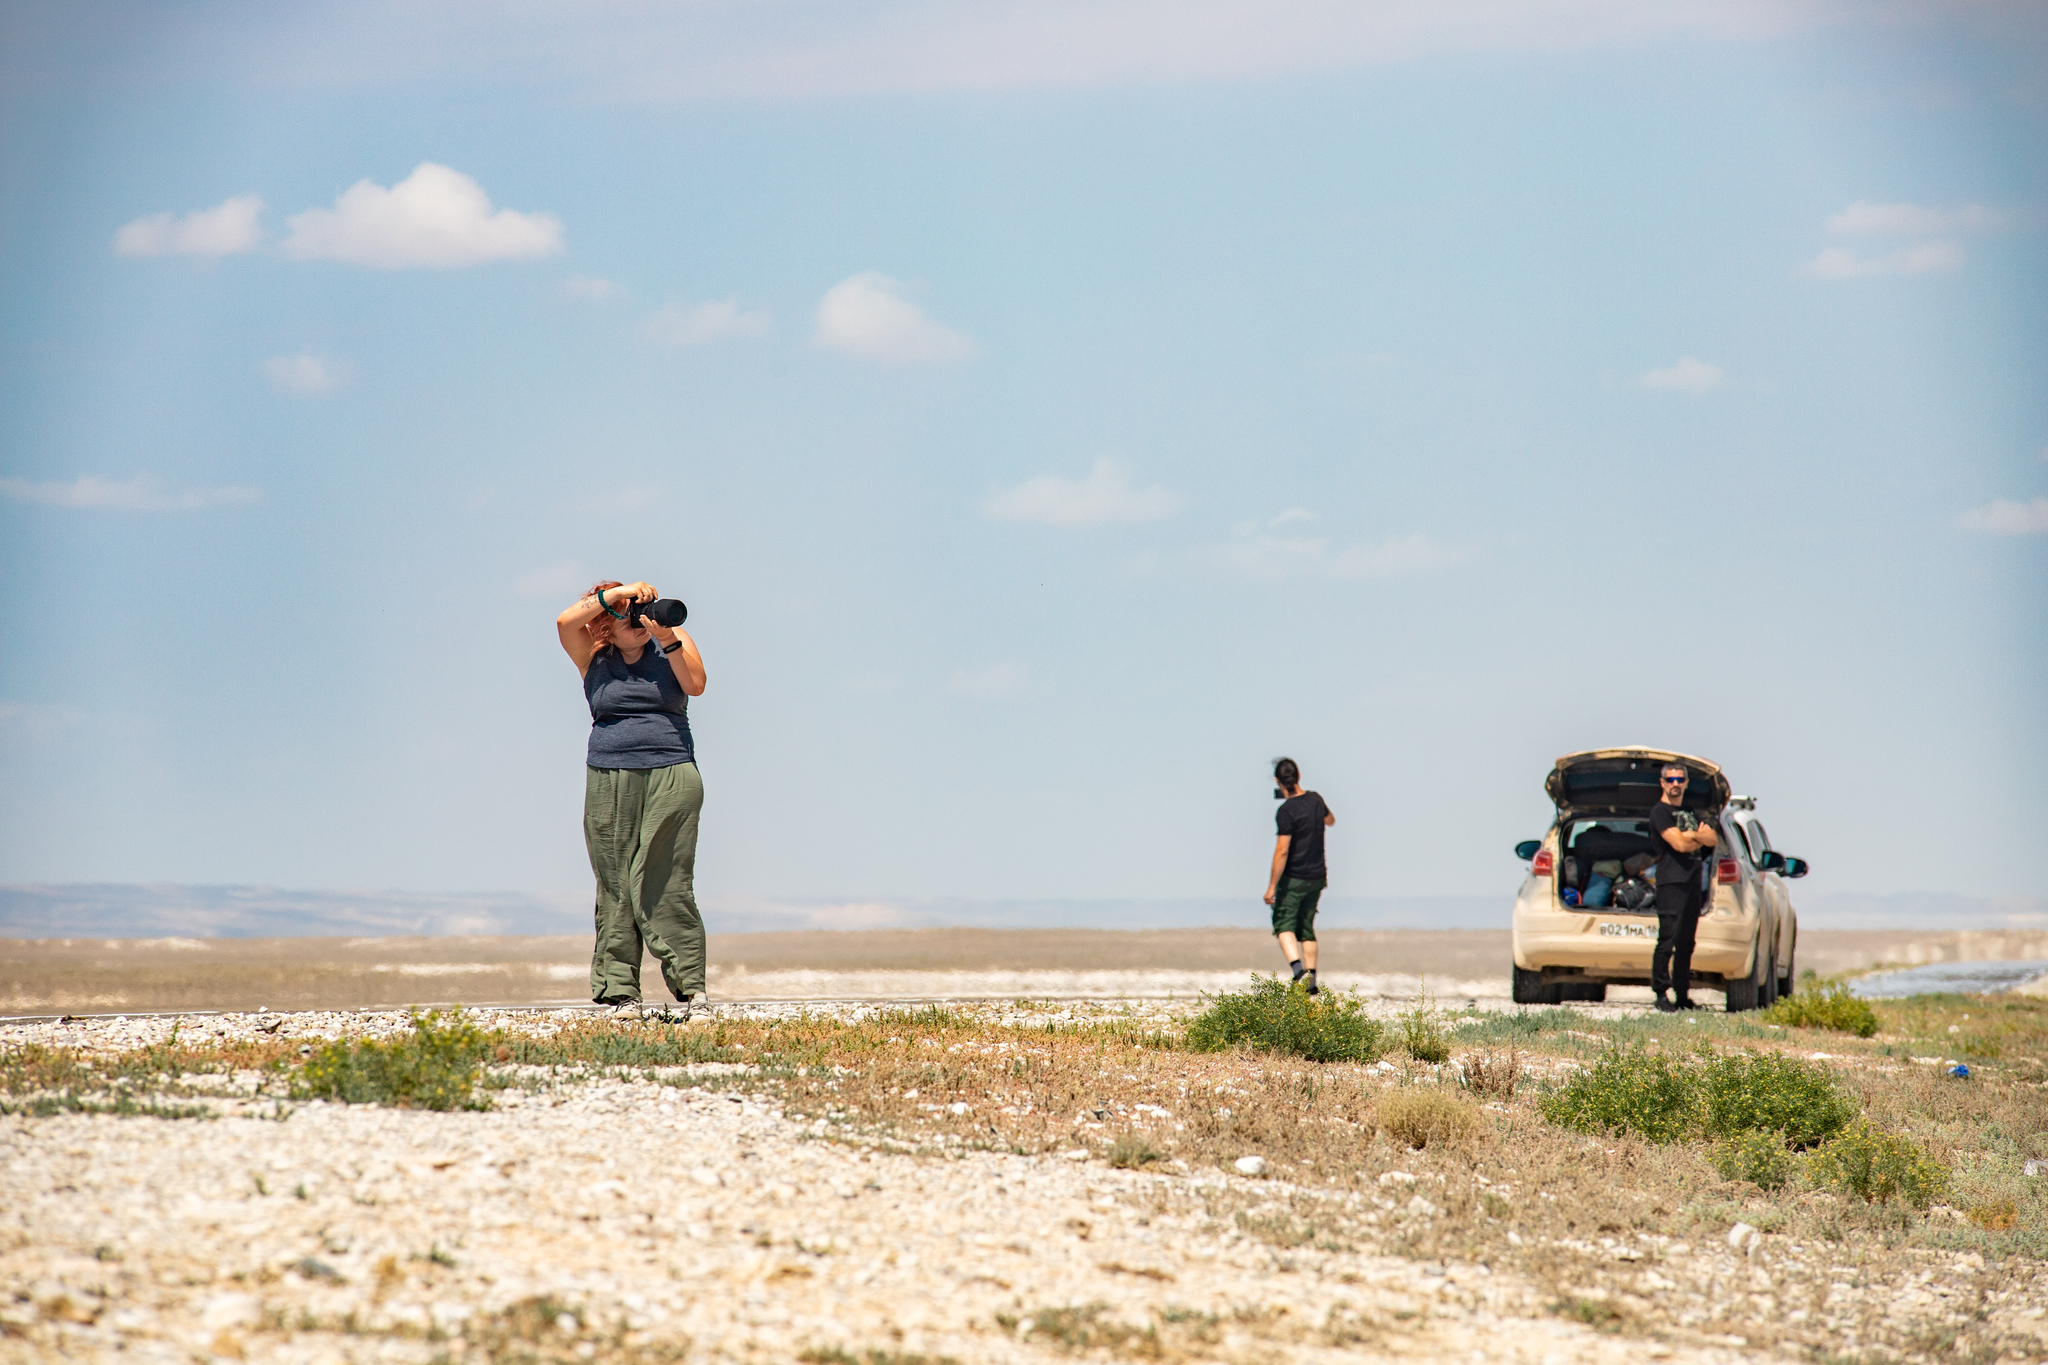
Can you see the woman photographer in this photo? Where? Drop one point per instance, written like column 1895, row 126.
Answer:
column 641, row 794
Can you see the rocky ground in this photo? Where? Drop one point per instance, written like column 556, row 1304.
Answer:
column 683, row 1213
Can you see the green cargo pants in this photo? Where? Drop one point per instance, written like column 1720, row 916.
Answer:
column 640, row 825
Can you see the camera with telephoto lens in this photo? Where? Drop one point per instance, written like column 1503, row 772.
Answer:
column 663, row 611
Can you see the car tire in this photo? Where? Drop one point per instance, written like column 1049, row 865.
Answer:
column 1790, row 978
column 1745, row 995
column 1528, row 988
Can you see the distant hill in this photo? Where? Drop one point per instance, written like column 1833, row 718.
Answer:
column 173, row 911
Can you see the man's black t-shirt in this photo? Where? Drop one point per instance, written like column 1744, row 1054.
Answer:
column 1673, row 868
column 1300, row 818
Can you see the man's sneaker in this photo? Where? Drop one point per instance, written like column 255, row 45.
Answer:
column 694, row 1007
column 1313, row 988
column 626, row 1009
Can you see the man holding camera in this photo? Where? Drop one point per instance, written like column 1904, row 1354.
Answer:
column 1680, row 893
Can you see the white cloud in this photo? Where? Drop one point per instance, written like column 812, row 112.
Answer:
column 693, row 324
column 1925, row 259
column 139, row 494
column 997, row 682
column 1865, row 219
column 866, row 315
column 1293, row 515
column 434, row 217
column 1105, row 496
column 305, row 373
column 563, row 579
column 228, row 229
column 2007, row 518
column 1264, row 558
column 589, row 289
column 1687, row 376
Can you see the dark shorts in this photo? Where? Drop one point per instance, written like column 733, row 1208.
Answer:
column 1294, row 908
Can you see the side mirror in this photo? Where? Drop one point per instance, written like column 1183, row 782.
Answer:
column 1527, row 849
column 1795, row 867
column 1772, row 861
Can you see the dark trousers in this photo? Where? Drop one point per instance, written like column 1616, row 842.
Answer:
column 1678, row 925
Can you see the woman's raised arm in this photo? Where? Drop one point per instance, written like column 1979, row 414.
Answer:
column 569, row 625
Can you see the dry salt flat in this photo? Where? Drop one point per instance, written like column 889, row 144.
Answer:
column 662, row 1221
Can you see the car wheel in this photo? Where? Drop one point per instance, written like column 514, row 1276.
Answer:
column 1529, row 989
column 1745, row 995
column 1786, row 982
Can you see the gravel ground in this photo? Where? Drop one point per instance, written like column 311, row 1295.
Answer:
column 672, row 1219
column 636, row 1219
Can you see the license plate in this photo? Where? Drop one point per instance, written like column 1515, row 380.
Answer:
column 1627, row 931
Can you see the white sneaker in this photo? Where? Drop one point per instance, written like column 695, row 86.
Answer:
column 626, row 1009
column 696, row 1007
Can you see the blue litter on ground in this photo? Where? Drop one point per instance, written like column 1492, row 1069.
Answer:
column 1960, row 1071
column 1943, row 978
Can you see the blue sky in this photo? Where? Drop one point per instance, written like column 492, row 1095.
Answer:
column 1049, row 419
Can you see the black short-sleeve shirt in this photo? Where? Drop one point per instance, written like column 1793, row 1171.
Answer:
column 1673, row 867
column 1300, row 818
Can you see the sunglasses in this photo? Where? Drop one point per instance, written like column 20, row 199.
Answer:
column 1672, row 781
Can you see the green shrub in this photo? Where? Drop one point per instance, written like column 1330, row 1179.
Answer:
column 1418, row 1118
column 1423, row 1036
column 1816, row 1006
column 1752, row 1092
column 1131, row 1152
column 1273, row 1017
column 1635, row 1093
column 1878, row 1167
column 434, row 1068
column 1758, row 1157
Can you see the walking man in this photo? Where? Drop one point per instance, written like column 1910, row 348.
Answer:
column 1679, row 893
column 1299, row 875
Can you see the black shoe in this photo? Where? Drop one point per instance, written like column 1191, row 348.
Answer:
column 1685, row 1005
column 1313, row 988
column 1666, row 1007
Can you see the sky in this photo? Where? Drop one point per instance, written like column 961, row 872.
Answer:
column 1050, row 413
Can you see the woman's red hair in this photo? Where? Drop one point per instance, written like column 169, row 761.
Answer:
column 600, row 630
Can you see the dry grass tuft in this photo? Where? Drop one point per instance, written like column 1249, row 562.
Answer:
column 1423, row 1118
column 1492, row 1074
column 2000, row 1215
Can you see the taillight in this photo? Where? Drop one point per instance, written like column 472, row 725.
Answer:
column 1725, row 872
column 1542, row 864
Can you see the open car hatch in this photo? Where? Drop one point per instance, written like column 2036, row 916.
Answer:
column 1624, row 781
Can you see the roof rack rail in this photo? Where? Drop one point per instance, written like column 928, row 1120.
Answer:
column 1742, row 803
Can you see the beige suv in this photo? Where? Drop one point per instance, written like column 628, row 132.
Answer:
column 1574, row 951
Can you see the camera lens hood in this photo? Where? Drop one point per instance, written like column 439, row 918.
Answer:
column 663, row 611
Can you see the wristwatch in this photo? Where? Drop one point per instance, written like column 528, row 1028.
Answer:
column 672, row 646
